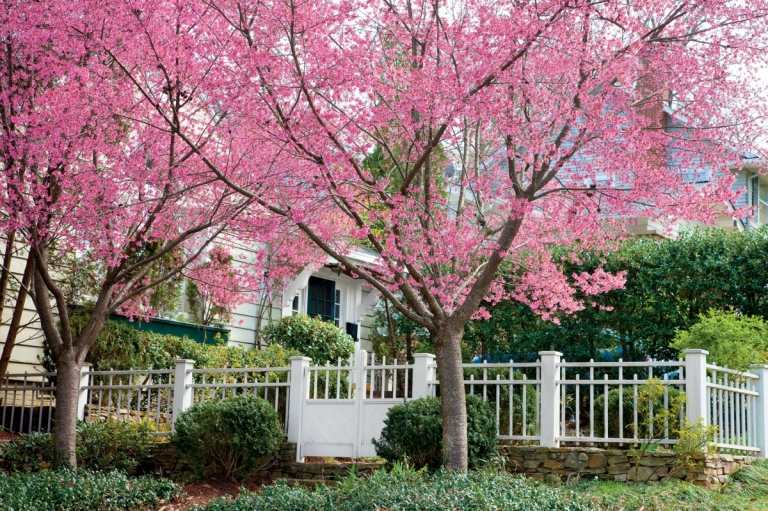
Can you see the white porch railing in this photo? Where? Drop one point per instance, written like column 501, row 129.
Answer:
column 337, row 409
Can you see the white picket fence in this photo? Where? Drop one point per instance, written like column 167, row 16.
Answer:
column 337, row 409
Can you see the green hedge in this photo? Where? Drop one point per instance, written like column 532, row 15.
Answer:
column 406, row 489
column 82, row 491
column 120, row 346
column 413, row 432
column 669, row 284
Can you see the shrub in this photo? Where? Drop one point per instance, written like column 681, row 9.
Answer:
column 669, row 283
column 228, row 438
column 28, row 453
column 102, row 446
column 401, row 489
column 693, row 441
column 321, row 341
column 114, row 445
column 732, row 339
column 207, row 355
column 413, row 432
column 82, row 491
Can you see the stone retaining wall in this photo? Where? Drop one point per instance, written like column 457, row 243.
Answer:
column 286, row 467
column 551, row 464
column 282, row 466
column 565, row 463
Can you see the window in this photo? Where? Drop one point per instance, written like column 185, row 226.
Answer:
column 295, row 305
column 321, row 299
column 337, row 307
column 758, row 200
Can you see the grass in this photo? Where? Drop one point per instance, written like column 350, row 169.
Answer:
column 747, row 490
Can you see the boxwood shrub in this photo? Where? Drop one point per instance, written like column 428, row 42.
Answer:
column 228, row 438
column 413, row 432
column 83, row 491
column 312, row 337
column 407, row 489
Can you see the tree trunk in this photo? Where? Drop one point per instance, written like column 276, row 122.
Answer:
column 452, row 397
column 65, row 416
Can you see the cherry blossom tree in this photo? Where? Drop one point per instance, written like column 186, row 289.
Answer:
column 560, row 118
column 85, row 174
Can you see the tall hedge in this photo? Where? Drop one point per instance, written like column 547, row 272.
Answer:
column 670, row 283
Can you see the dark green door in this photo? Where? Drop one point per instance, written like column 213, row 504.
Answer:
column 321, row 298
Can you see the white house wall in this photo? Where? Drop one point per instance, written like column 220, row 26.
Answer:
column 244, row 318
column 28, row 351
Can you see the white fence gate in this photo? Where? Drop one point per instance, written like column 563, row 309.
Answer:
column 337, row 410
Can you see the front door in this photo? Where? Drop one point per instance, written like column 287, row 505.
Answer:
column 321, row 299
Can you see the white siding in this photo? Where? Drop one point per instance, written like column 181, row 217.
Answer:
column 28, row 351
column 741, row 185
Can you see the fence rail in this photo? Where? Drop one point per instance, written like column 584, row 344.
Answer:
column 27, row 401
column 549, row 401
column 732, row 398
column 621, row 402
column 269, row 383
column 136, row 395
column 513, row 391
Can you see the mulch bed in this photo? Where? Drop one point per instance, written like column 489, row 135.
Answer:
column 199, row 494
column 6, row 436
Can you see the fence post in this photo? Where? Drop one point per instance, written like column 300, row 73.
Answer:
column 182, row 387
column 549, row 401
column 299, row 391
column 360, row 378
column 423, row 375
column 82, row 395
column 761, row 418
column 696, row 386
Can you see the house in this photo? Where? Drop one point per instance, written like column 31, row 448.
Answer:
column 316, row 291
column 750, row 184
